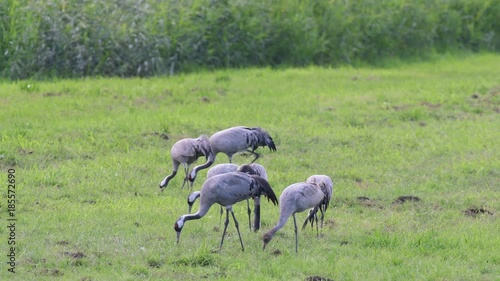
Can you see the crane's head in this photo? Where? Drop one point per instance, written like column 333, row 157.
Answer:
column 178, row 227
column 192, row 177
column 164, row 183
column 245, row 168
column 266, row 238
column 191, row 198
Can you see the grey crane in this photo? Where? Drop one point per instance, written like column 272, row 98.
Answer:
column 227, row 189
column 253, row 169
column 297, row 197
column 215, row 170
column 326, row 185
column 241, row 138
column 185, row 152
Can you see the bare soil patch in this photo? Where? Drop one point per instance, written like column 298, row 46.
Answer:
column 276, row 252
column 406, row 198
column 474, row 212
column 75, row 255
column 156, row 134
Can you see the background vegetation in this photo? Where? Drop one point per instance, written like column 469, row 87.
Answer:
column 89, row 154
column 69, row 38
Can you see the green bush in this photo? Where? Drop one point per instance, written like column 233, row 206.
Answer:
column 145, row 38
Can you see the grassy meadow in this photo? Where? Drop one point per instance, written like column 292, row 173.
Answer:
column 89, row 154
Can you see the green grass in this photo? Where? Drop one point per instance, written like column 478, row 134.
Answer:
column 89, row 155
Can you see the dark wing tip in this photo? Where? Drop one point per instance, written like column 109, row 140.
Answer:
column 264, row 138
column 268, row 190
column 271, row 145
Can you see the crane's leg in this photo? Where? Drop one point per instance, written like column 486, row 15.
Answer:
column 221, row 212
column 316, row 219
column 307, row 220
column 296, row 234
column 312, row 217
column 255, row 154
column 186, row 179
column 249, row 214
column 230, row 209
column 237, row 228
column 225, row 226
column 256, row 223
column 322, row 218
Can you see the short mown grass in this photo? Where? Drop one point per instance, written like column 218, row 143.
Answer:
column 89, row 155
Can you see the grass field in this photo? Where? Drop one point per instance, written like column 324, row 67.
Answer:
column 88, row 155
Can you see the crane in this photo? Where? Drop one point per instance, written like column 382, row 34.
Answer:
column 226, row 190
column 187, row 151
column 253, row 169
column 326, row 185
column 241, row 138
column 215, row 170
column 296, row 198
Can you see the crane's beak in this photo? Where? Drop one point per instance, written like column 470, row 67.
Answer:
column 189, row 208
column 178, row 236
column 264, row 246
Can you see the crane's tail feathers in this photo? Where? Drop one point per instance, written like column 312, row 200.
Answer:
column 270, row 144
column 266, row 189
column 262, row 138
column 311, row 217
column 326, row 199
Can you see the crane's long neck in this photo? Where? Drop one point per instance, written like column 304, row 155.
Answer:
column 281, row 222
column 179, row 224
column 210, row 161
column 165, row 181
column 199, row 214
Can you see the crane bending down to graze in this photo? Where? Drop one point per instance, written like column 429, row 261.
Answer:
column 252, row 169
column 185, row 152
column 238, row 139
column 326, row 185
column 215, row 170
column 227, row 189
column 296, row 198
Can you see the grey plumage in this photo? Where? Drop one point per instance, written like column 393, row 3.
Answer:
column 227, row 189
column 296, row 198
column 185, row 152
column 252, row 169
column 240, row 138
column 215, row 170
column 326, row 185
column 221, row 169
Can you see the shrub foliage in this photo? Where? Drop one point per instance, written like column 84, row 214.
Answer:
column 69, row 38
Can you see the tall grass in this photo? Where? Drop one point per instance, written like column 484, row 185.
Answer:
column 143, row 38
